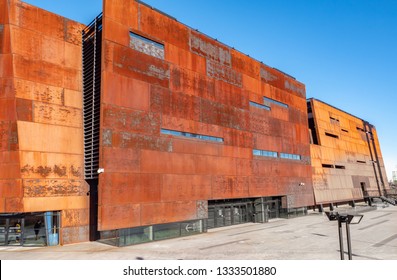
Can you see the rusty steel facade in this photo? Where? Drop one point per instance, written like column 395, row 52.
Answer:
column 41, row 151
column 139, row 120
column 181, row 116
column 346, row 156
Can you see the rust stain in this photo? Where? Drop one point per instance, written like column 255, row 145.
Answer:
column 60, row 170
column 76, row 171
column 44, row 171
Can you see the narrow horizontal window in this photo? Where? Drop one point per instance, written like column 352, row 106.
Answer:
column 147, row 46
column 264, row 153
column 327, row 166
column 361, row 161
column 331, row 135
column 290, row 156
column 360, row 129
column 269, row 100
column 334, row 120
column 259, row 106
column 191, row 135
column 344, row 130
column 340, row 167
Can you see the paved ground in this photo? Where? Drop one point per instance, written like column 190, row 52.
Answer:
column 311, row 237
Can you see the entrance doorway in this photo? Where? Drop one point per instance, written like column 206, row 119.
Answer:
column 272, row 207
column 227, row 214
column 29, row 229
column 238, row 211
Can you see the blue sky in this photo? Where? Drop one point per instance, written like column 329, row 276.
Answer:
column 344, row 51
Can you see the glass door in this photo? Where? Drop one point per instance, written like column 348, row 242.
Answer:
column 34, row 231
column 3, row 232
column 14, row 232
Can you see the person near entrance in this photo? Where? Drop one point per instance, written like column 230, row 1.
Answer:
column 37, row 227
column 17, row 231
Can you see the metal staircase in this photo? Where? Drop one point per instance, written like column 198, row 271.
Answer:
column 390, row 200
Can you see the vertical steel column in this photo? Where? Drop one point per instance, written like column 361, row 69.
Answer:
column 342, row 252
column 349, row 245
column 372, row 156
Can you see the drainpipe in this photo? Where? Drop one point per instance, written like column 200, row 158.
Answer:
column 372, row 157
column 377, row 158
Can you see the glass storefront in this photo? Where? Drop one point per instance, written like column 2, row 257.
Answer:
column 229, row 213
column 29, row 229
column 220, row 213
column 237, row 211
column 131, row 236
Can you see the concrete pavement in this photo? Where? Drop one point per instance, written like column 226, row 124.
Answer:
column 311, row 237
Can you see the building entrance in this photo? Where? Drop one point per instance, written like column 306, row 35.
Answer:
column 239, row 211
column 227, row 214
column 29, row 229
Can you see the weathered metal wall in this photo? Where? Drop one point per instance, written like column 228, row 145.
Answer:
column 41, row 126
column 10, row 181
column 342, row 159
column 197, row 85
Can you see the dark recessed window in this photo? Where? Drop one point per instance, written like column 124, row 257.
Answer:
column 340, row 167
column 272, row 101
column 334, row 120
column 327, row 166
column 344, row 130
column 332, row 135
column 191, row 135
column 361, row 161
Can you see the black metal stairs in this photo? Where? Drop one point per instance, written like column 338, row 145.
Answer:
column 390, row 200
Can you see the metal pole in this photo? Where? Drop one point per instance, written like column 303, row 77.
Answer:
column 342, row 253
column 263, row 210
column 349, row 245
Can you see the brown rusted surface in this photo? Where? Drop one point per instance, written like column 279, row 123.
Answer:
column 55, row 187
column 41, row 148
column 343, row 168
column 202, row 87
column 11, row 190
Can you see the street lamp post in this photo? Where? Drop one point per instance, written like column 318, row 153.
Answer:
column 347, row 219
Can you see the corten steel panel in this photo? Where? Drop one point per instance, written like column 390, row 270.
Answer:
column 127, row 120
column 74, row 234
column 4, row 12
column 43, row 113
column 6, row 70
column 122, row 11
column 348, row 148
column 119, row 216
column 49, row 138
column 24, row 109
column 137, row 65
column 138, row 96
column 202, row 87
column 201, row 148
column 187, row 60
column 11, row 190
column 121, row 160
column 163, row 212
column 185, row 187
column 5, row 45
column 162, row 28
column 44, row 72
column 126, row 188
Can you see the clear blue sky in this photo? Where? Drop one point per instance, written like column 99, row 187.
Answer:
column 344, row 51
